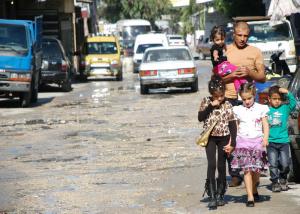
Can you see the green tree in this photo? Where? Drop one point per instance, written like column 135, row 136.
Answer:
column 110, row 10
column 113, row 10
column 186, row 14
column 233, row 8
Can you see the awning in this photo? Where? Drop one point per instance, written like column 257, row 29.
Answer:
column 279, row 9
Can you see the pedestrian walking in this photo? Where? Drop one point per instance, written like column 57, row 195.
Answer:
column 249, row 61
column 215, row 107
column 252, row 138
column 279, row 148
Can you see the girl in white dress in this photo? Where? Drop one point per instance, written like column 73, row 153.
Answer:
column 252, row 138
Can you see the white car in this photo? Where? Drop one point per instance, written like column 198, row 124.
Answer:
column 175, row 40
column 145, row 41
column 163, row 67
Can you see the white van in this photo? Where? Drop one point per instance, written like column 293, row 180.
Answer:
column 144, row 41
column 272, row 39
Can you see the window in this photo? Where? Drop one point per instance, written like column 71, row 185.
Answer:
column 101, row 48
column 51, row 49
column 142, row 48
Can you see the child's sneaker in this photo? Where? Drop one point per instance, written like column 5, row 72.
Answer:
column 283, row 184
column 276, row 187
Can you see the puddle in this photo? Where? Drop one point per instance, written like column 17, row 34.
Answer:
column 106, row 136
column 93, row 121
column 168, row 204
column 55, row 159
column 136, row 206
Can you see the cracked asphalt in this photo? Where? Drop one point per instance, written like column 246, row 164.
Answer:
column 104, row 148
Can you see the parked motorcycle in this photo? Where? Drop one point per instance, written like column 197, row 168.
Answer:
column 278, row 66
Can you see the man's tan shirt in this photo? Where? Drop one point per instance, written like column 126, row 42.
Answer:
column 250, row 57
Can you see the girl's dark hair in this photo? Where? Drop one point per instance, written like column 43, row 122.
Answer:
column 216, row 84
column 275, row 90
column 217, row 30
column 248, row 87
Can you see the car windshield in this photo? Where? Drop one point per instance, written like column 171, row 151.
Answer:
column 142, row 48
column 101, row 48
column 167, row 55
column 51, row 49
column 13, row 38
column 264, row 32
column 133, row 31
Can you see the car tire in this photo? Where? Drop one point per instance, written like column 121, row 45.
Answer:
column 201, row 56
column 25, row 99
column 295, row 171
column 194, row 86
column 66, row 86
column 82, row 77
column 35, row 89
column 119, row 76
column 144, row 89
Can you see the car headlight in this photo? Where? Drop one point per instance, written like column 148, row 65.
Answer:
column 23, row 77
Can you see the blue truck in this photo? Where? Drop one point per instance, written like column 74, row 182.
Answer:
column 20, row 59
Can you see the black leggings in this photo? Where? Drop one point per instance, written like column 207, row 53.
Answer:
column 218, row 142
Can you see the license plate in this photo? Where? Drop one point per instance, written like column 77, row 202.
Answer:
column 99, row 71
column 168, row 73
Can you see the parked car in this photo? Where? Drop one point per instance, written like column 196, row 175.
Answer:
column 101, row 57
column 203, row 48
column 56, row 67
column 163, row 67
column 145, row 41
column 294, row 128
column 175, row 40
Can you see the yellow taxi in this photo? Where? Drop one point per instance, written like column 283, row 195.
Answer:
column 101, row 57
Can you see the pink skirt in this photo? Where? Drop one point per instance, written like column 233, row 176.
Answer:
column 249, row 155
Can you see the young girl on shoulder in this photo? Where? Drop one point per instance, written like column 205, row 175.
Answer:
column 219, row 60
column 252, row 139
column 212, row 108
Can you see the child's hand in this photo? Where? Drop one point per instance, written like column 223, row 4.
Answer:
column 228, row 148
column 283, row 90
column 265, row 142
column 216, row 58
column 215, row 103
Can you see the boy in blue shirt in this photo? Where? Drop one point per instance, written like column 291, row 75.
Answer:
column 279, row 148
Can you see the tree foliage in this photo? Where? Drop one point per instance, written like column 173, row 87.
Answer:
column 186, row 13
column 113, row 10
column 233, row 8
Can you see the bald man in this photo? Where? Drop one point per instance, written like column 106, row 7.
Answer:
column 250, row 64
column 249, row 60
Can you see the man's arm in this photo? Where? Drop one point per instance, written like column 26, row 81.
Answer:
column 260, row 75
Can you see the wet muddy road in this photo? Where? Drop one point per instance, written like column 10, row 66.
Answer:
column 103, row 148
